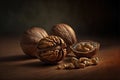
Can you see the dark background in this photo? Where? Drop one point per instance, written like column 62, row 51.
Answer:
column 97, row 20
column 87, row 17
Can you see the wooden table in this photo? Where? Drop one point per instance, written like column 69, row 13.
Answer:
column 15, row 65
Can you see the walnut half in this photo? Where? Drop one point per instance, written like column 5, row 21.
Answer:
column 85, row 49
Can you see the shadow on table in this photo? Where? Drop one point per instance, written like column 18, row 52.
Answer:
column 42, row 64
column 38, row 64
column 15, row 58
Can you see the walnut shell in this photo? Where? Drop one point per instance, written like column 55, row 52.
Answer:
column 51, row 49
column 30, row 40
column 83, row 52
column 65, row 32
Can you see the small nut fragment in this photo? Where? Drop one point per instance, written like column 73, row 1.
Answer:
column 88, row 45
column 69, row 66
column 95, row 60
column 79, row 63
column 79, row 47
column 84, row 47
column 75, row 62
column 82, row 59
column 66, row 66
column 87, row 63
column 60, row 67
column 82, row 65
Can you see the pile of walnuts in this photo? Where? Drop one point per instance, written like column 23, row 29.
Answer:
column 53, row 48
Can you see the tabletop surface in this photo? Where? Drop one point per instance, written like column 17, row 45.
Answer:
column 15, row 65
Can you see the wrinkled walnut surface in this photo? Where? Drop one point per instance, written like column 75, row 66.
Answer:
column 51, row 49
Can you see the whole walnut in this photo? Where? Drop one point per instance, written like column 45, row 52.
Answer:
column 65, row 32
column 51, row 49
column 30, row 39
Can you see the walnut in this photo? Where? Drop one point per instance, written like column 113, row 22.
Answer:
column 65, row 32
column 51, row 49
column 85, row 49
column 30, row 40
